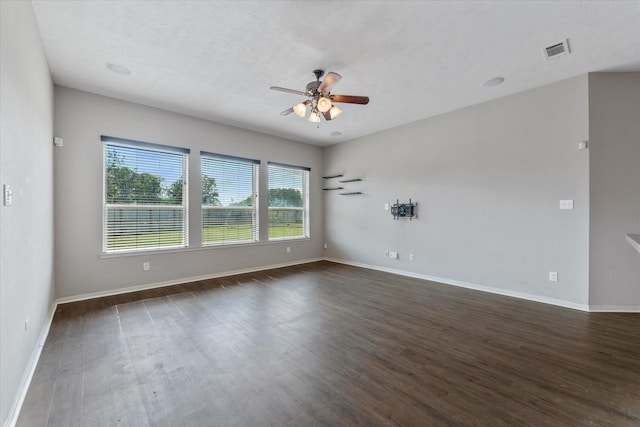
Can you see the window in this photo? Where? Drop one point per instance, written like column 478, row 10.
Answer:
column 145, row 196
column 229, row 192
column 288, row 202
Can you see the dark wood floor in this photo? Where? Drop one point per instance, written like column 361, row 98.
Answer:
column 328, row 344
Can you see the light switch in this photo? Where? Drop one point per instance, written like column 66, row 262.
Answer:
column 8, row 195
column 566, row 204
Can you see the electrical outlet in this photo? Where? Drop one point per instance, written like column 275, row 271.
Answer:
column 288, row 249
column 566, row 204
column 553, row 276
column 325, row 246
column 386, row 253
column 146, row 266
column 386, row 206
column 411, row 257
column 393, row 254
column 26, row 324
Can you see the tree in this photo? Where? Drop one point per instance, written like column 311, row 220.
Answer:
column 246, row 202
column 285, row 198
column 174, row 192
column 210, row 196
column 148, row 188
column 124, row 185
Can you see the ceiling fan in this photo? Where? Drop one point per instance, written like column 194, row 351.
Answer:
column 320, row 99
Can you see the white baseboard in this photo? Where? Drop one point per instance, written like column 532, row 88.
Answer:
column 27, row 376
column 614, row 309
column 505, row 292
column 148, row 286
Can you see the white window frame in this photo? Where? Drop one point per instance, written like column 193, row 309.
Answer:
column 305, row 202
column 184, row 207
column 253, row 209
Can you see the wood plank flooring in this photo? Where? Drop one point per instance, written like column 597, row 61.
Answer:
column 325, row 344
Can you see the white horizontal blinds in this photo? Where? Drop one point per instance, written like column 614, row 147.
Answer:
column 229, row 205
column 288, row 202
column 145, row 196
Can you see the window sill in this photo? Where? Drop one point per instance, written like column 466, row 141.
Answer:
column 198, row 249
column 288, row 239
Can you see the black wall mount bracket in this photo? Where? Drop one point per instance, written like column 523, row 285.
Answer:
column 403, row 210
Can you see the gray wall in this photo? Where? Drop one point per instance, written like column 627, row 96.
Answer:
column 26, row 227
column 614, row 129
column 80, row 118
column 488, row 180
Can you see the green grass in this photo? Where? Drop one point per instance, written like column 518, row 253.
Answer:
column 225, row 233
column 210, row 235
column 286, row 230
column 149, row 240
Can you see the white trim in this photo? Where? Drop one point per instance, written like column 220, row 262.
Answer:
column 505, row 292
column 27, row 375
column 183, row 280
column 614, row 309
column 204, row 247
column 184, row 207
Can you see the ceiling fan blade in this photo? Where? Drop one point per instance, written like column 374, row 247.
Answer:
column 287, row 112
column 327, row 115
column 329, row 82
column 350, row 99
column 283, row 89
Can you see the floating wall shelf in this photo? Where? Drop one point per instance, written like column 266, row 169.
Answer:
column 348, row 193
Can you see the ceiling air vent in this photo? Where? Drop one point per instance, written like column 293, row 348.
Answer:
column 556, row 50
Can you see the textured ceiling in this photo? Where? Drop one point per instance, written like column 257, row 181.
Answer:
column 217, row 59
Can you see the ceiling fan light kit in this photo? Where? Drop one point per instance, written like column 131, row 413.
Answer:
column 334, row 112
column 314, row 117
column 300, row 109
column 321, row 100
column 324, row 104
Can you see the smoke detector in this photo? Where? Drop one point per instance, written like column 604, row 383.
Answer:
column 556, row 50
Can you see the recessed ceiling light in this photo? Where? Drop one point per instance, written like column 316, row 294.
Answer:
column 117, row 68
column 493, row 82
column 335, row 133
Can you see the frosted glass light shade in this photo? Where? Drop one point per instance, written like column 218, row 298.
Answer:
column 300, row 109
column 334, row 112
column 314, row 117
column 324, row 104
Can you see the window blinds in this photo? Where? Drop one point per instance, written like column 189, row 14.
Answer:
column 229, row 204
column 145, row 196
column 288, row 201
